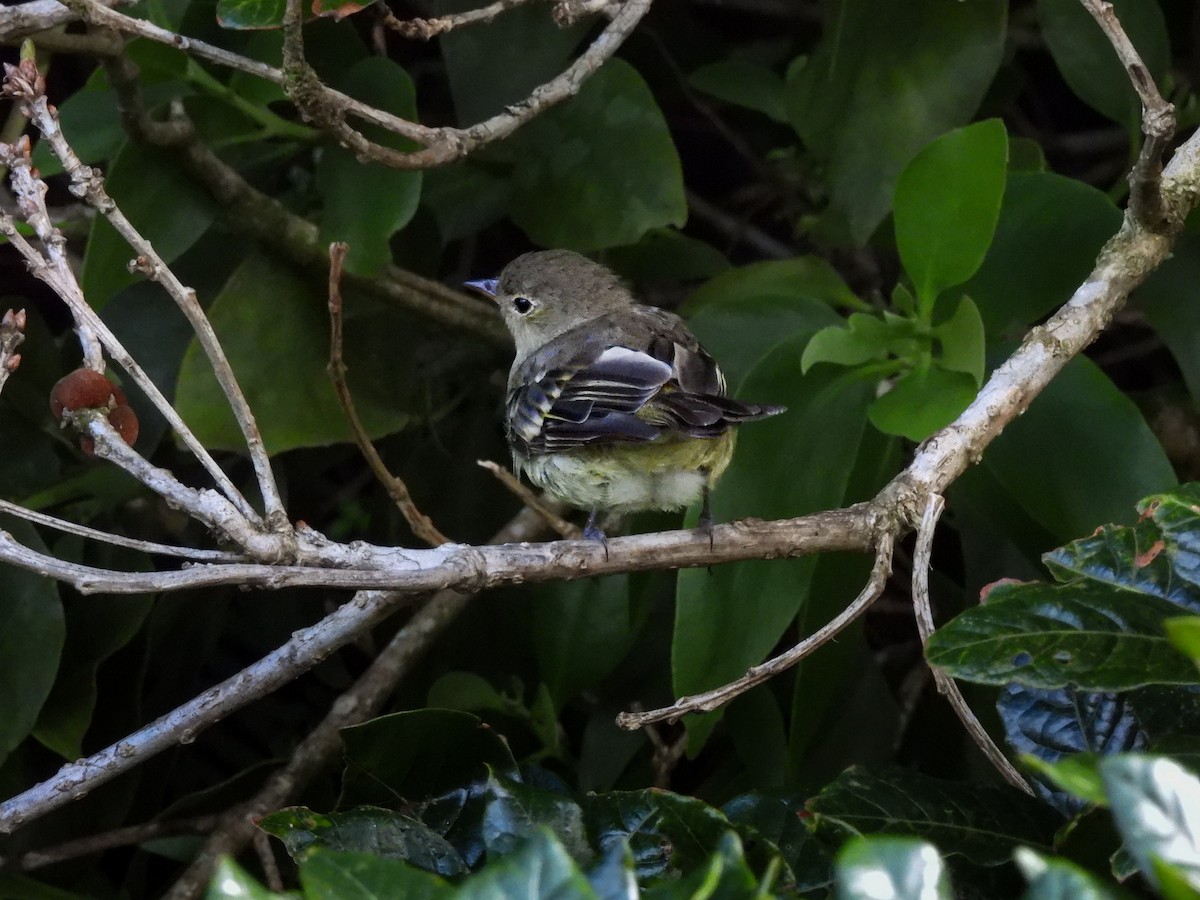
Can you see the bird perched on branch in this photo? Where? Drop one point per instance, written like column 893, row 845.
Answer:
column 612, row 406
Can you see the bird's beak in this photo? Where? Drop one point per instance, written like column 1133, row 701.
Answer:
column 485, row 286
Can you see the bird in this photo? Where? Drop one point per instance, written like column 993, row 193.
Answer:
column 612, row 406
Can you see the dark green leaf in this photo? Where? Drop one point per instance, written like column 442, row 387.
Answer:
column 981, row 822
column 666, row 255
column 893, row 867
column 961, row 338
column 1090, row 65
column 138, row 180
column 613, row 878
column 366, row 203
column 887, row 79
column 338, row 875
column 364, row 829
column 1184, row 634
column 729, row 619
column 742, row 83
column 232, row 882
column 31, row 640
column 1080, row 432
column 946, row 207
column 464, row 199
column 516, row 812
column 922, row 401
column 1156, row 804
column 1167, row 301
column 1178, row 515
column 600, row 170
column 779, row 819
column 1046, row 241
column 1086, row 635
column 724, row 874
column 273, row 326
column 419, row 754
column 541, row 869
column 1054, row 878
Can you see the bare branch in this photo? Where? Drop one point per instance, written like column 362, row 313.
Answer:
column 19, row 20
column 922, row 557
column 756, row 675
column 421, row 525
column 12, row 335
column 1158, row 120
column 535, row 502
column 426, row 29
column 107, row 840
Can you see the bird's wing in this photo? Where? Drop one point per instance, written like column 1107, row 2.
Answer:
column 627, row 384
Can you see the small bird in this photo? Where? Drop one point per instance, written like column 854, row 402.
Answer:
column 612, row 406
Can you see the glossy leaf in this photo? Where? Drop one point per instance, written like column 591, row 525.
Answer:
column 418, row 754
column 980, row 822
column 31, row 641
column 541, row 869
column 1085, row 635
column 1086, row 58
column 366, row 203
column 742, row 83
column 665, row 255
column 1177, row 514
column 515, row 812
column 885, row 81
column 232, row 882
column 922, row 401
column 1156, row 804
column 1019, row 282
column 892, row 867
column 273, row 326
column 1080, row 432
column 600, row 170
column 247, row 14
column 729, row 619
column 946, row 206
column 361, row 876
column 364, row 829
column 1054, row 878
column 138, row 179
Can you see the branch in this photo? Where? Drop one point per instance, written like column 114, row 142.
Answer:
column 922, row 557
column 19, row 20
column 426, row 29
column 12, row 334
column 1158, row 120
column 422, row 526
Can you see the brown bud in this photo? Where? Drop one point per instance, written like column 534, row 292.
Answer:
column 125, row 421
column 13, row 362
column 81, row 389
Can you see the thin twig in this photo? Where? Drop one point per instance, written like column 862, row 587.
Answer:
column 12, row 334
column 425, row 29
column 421, row 525
column 922, row 562
column 756, row 675
column 266, row 859
column 1146, row 201
column 107, row 840
column 117, row 540
column 534, row 501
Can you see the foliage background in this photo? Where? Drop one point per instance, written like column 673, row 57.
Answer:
column 741, row 162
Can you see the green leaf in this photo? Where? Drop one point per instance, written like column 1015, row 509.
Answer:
column 1156, row 805
column 666, row 255
column 1098, row 438
column 1082, row 634
column 1166, row 300
column 243, row 14
column 138, row 180
column 886, row 80
column 541, row 869
column 366, row 203
column 581, row 630
column 741, row 314
column 359, row 876
column 892, row 867
column 961, row 338
column 980, row 822
column 1054, row 878
column 922, row 401
column 1184, row 634
column 272, row 324
column 232, row 882
column 464, row 198
column 1046, row 241
column 742, row 83
column 515, row 813
column 31, row 641
column 378, row 832
column 418, row 754
column 715, row 639
column 864, row 337
column 1076, row 774
column 1090, row 65
column 600, row 170
column 946, row 206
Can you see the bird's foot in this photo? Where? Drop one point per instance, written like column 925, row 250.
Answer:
column 593, row 532
column 705, row 524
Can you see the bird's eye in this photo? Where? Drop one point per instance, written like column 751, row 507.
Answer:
column 523, row 305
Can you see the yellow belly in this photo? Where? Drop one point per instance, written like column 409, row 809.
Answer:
column 665, row 474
